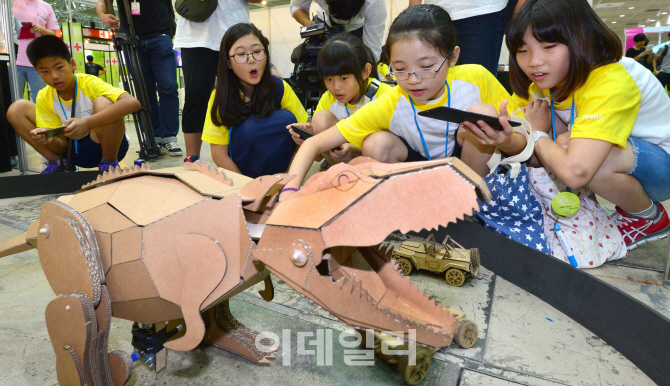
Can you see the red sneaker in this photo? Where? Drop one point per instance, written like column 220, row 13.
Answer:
column 637, row 231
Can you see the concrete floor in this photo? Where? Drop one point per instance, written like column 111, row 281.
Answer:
column 522, row 340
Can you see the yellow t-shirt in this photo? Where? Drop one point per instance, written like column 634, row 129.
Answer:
column 383, row 70
column 617, row 101
column 50, row 112
column 468, row 85
column 218, row 135
column 339, row 109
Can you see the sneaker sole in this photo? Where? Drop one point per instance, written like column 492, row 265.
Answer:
column 656, row 236
column 175, row 154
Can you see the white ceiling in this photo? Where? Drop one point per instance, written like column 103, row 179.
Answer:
column 644, row 13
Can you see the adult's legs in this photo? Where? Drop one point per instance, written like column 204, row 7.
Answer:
column 144, row 54
column 164, row 68
column 480, row 39
column 36, row 83
column 200, row 66
column 21, row 75
column 21, row 115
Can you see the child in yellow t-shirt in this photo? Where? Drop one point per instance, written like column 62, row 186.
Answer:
column 91, row 110
column 346, row 67
column 598, row 118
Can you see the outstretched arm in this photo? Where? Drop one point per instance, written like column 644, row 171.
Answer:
column 106, row 15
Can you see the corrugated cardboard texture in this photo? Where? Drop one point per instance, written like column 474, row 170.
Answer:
column 105, row 246
column 146, row 311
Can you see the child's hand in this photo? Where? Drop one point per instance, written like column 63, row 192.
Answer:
column 489, row 136
column 343, row 154
column 296, row 137
column 76, row 128
column 538, row 114
column 40, row 138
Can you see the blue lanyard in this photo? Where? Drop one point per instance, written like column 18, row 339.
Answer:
column 553, row 116
column 347, row 109
column 74, row 106
column 425, row 148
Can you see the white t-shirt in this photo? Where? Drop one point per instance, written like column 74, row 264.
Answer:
column 372, row 18
column 209, row 33
column 469, row 8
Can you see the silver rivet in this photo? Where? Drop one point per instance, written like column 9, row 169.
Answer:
column 45, row 230
column 298, row 258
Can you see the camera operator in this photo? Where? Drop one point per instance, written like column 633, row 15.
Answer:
column 365, row 19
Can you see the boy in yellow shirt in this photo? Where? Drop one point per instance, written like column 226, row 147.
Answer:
column 91, row 110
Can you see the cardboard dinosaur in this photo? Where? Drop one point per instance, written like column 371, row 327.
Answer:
column 160, row 245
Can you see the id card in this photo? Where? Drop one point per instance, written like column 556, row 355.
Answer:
column 135, row 8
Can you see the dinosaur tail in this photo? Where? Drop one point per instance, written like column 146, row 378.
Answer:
column 21, row 243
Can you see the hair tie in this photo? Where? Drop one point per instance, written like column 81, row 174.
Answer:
column 285, row 189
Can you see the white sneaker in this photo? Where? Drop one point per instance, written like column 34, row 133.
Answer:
column 172, row 148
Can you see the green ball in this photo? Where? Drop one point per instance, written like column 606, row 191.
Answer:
column 565, row 204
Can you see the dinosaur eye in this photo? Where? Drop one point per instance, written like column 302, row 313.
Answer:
column 345, row 180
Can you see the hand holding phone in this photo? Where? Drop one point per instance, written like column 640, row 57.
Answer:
column 305, row 134
column 459, row 116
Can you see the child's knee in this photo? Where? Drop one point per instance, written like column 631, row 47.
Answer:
column 377, row 146
column 100, row 103
column 20, row 109
column 483, row 108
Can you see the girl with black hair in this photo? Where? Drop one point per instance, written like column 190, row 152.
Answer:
column 599, row 120
column 249, row 108
column 347, row 68
column 422, row 48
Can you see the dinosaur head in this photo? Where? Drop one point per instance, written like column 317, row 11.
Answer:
column 319, row 241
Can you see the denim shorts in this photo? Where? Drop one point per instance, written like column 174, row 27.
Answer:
column 652, row 169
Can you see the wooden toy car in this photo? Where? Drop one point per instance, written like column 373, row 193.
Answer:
column 448, row 258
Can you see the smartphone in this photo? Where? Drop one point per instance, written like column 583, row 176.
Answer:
column 459, row 116
column 55, row 132
column 305, row 134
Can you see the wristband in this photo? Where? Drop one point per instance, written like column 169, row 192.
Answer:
column 539, row 134
column 289, row 188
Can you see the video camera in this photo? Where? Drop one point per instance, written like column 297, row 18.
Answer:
column 306, row 76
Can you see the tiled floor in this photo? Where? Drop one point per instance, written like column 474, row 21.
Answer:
column 522, row 339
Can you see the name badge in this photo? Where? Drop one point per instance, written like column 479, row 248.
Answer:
column 135, row 8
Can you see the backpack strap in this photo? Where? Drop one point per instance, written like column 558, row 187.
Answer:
column 371, row 91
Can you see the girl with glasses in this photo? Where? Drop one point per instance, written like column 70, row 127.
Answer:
column 422, row 49
column 249, row 108
column 347, row 68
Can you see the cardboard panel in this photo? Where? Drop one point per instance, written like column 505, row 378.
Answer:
column 105, row 246
column 127, row 245
column 14, row 245
column 393, row 205
column 148, row 199
column 105, row 218
column 66, row 199
column 146, row 311
column 258, row 189
column 116, row 174
column 130, row 281
column 204, row 264
column 321, row 200
column 89, row 199
column 206, row 217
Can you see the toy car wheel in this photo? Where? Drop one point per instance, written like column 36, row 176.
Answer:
column 466, row 333
column 404, row 265
column 455, row 277
column 414, row 374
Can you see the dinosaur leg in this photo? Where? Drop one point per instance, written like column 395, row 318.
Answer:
column 115, row 368
column 72, row 327
column 226, row 333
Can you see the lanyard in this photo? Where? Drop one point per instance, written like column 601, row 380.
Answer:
column 347, row 109
column 74, row 107
column 425, row 148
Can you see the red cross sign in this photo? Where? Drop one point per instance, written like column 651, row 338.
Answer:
column 107, row 61
column 77, row 47
column 114, row 61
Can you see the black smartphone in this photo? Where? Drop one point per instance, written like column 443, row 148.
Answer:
column 305, row 134
column 459, row 116
column 302, row 133
column 55, row 132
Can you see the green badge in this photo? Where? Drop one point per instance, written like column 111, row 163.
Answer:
column 565, row 204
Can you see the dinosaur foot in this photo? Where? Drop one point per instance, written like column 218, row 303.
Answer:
column 226, row 333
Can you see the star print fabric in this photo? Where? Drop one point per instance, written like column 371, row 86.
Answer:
column 513, row 211
column 591, row 234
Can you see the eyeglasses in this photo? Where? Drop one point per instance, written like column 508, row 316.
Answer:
column 241, row 57
column 426, row 73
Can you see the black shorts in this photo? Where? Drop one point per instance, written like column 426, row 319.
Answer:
column 413, row 155
column 88, row 153
column 664, row 78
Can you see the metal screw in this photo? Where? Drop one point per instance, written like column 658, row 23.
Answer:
column 67, row 308
column 299, row 258
column 45, row 230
